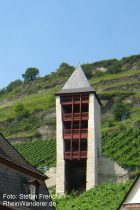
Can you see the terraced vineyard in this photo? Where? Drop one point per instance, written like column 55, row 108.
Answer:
column 123, row 146
column 38, row 153
column 38, row 98
column 103, row 197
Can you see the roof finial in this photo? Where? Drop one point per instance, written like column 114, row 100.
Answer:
column 77, row 65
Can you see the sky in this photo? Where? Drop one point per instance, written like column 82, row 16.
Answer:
column 45, row 33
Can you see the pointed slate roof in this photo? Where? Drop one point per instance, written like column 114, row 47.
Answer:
column 10, row 154
column 77, row 82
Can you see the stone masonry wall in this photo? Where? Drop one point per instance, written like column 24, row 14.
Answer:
column 110, row 171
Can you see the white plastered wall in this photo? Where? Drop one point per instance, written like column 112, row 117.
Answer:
column 93, row 142
column 60, row 166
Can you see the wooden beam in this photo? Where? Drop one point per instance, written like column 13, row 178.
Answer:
column 132, row 205
column 22, row 169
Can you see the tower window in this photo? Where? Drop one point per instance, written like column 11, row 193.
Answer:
column 76, row 108
column 67, row 145
column 32, row 192
column 83, row 145
column 33, row 189
column 75, row 145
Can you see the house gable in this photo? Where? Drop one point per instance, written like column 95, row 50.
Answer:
column 10, row 156
column 132, row 199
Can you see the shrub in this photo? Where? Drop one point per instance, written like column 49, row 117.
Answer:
column 88, row 70
column 37, row 134
column 13, row 85
column 21, row 111
column 120, row 110
column 110, row 123
column 99, row 73
column 64, row 70
column 114, row 69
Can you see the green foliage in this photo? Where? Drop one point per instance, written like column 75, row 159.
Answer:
column 110, row 95
column 88, row 70
column 21, row 111
column 39, row 101
column 38, row 96
column 123, row 146
column 114, row 69
column 109, row 121
column 2, row 91
column 103, row 197
column 13, row 85
column 130, row 59
column 19, row 108
column 59, row 76
column 38, row 152
column 30, row 74
column 24, row 127
column 99, row 73
column 113, row 77
column 119, row 110
column 105, row 63
column 64, row 70
column 115, row 66
column 88, row 73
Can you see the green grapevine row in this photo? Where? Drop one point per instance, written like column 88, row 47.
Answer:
column 103, row 197
column 123, row 146
column 39, row 152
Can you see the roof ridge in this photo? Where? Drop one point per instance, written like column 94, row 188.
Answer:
column 29, row 166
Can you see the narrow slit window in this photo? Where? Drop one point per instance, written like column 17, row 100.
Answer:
column 32, row 192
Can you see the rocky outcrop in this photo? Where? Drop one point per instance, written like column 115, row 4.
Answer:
column 47, row 131
column 110, row 171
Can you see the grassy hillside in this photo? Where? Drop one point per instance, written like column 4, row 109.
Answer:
column 41, row 103
column 37, row 104
column 103, row 197
column 112, row 79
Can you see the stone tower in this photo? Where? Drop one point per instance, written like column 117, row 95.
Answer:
column 77, row 134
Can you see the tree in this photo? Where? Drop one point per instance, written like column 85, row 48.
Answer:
column 64, row 70
column 120, row 110
column 30, row 74
column 2, row 91
column 114, row 69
